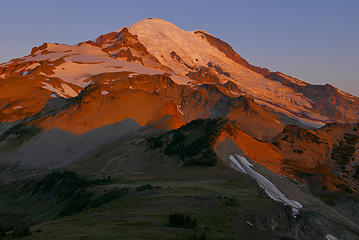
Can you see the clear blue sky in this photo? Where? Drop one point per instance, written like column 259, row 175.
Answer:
column 314, row 40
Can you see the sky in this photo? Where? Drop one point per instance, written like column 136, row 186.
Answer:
column 315, row 41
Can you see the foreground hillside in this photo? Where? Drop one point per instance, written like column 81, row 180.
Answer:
column 216, row 203
column 129, row 188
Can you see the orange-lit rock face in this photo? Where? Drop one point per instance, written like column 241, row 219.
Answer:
column 109, row 101
column 25, row 96
column 256, row 150
column 330, row 153
column 254, row 119
column 306, row 155
column 302, row 148
column 53, row 71
column 124, row 45
column 26, row 88
column 145, row 98
column 92, row 112
column 126, row 93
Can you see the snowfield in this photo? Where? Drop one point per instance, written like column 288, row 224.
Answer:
column 242, row 165
column 82, row 61
column 194, row 49
column 330, row 237
column 104, row 92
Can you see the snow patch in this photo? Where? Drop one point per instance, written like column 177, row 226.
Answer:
column 68, row 90
column 17, row 107
column 180, row 80
column 33, row 66
column 52, row 89
column 277, row 121
column 243, row 165
column 104, row 92
column 89, row 83
column 83, row 61
column 19, row 70
column 132, row 75
column 236, row 165
column 179, row 109
column 330, row 237
column 249, row 223
column 234, row 93
column 54, row 95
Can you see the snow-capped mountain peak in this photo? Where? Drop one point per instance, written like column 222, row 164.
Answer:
column 157, row 47
column 176, row 48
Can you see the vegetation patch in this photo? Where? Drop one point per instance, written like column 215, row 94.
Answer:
column 60, row 193
column 21, row 230
column 181, row 220
column 329, row 199
column 303, row 174
column 62, row 184
column 193, row 142
column 83, row 200
column 80, row 201
column 312, row 137
column 277, row 144
column 69, row 187
column 356, row 173
column 144, row 187
column 155, row 142
column 298, row 151
column 102, row 181
column 196, row 235
column 109, row 196
column 229, row 201
column 351, row 138
column 18, row 134
column 285, row 137
column 343, row 187
column 344, row 151
column 2, row 231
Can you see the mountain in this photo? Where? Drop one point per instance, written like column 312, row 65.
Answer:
column 156, row 47
column 178, row 108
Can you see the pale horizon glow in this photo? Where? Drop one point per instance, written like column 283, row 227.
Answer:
column 314, row 41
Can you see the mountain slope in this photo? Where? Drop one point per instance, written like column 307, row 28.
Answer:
column 329, row 154
column 186, row 52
